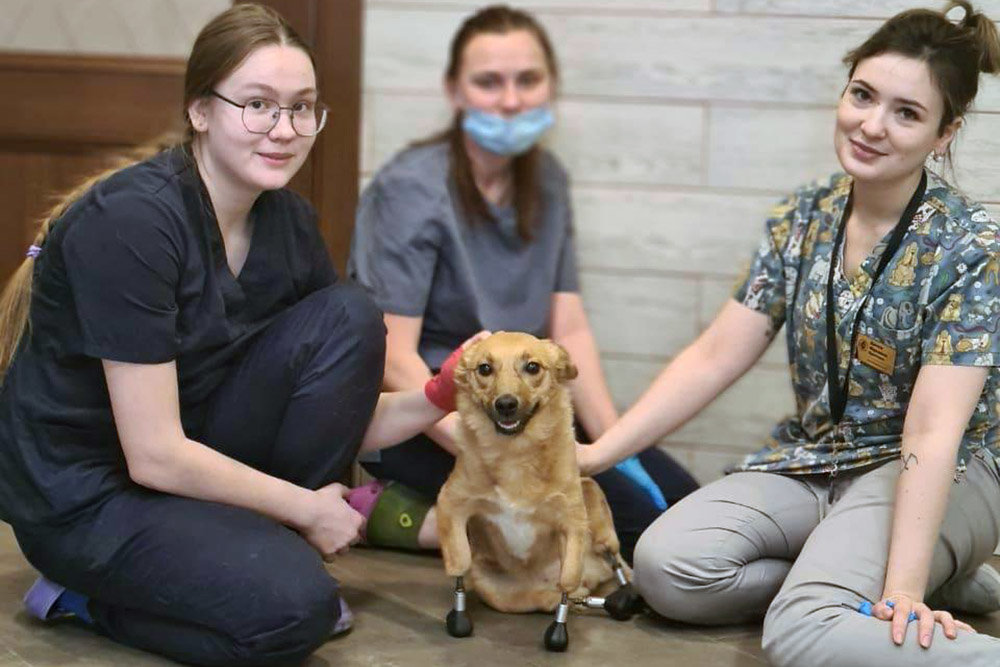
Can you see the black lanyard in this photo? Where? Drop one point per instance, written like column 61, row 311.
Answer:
column 838, row 392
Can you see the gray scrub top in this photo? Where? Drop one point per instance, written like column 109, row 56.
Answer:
column 415, row 253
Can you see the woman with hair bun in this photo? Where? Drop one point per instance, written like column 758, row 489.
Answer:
column 874, row 509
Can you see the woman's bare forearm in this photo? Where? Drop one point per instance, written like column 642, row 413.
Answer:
column 940, row 407
column 188, row 468
column 399, row 416
column 926, row 475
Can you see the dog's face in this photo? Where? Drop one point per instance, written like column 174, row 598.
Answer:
column 509, row 376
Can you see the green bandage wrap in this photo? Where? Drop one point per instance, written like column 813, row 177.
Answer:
column 396, row 519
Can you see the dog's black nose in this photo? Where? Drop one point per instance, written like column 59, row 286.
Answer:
column 505, row 405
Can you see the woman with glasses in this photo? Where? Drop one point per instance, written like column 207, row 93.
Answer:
column 473, row 229
column 194, row 380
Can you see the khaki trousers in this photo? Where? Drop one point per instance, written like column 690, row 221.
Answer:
column 755, row 545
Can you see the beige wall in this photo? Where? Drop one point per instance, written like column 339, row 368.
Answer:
column 134, row 27
column 680, row 122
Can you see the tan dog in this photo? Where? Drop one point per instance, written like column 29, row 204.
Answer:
column 515, row 519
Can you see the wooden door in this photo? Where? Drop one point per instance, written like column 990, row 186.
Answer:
column 67, row 113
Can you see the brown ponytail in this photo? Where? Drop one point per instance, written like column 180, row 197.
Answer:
column 527, row 195
column 17, row 293
column 221, row 46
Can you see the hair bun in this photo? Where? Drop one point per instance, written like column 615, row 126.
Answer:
column 951, row 12
column 983, row 31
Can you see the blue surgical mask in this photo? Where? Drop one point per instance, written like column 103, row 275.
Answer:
column 507, row 136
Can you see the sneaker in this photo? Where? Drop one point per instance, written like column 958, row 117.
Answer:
column 40, row 600
column 346, row 620
column 976, row 593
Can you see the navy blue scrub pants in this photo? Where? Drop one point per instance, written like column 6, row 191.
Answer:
column 422, row 465
column 210, row 584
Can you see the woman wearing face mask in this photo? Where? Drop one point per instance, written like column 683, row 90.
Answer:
column 472, row 229
column 879, row 501
column 194, row 380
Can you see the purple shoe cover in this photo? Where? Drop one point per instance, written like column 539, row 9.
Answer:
column 345, row 621
column 41, row 597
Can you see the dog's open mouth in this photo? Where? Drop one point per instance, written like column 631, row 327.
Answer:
column 511, row 426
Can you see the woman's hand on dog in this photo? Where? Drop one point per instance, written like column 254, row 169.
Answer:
column 334, row 525
column 475, row 338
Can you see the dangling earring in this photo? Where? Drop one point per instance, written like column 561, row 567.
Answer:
column 937, row 157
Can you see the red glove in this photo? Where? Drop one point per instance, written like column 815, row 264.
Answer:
column 440, row 389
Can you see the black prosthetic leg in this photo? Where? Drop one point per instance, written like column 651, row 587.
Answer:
column 556, row 636
column 621, row 605
column 458, row 622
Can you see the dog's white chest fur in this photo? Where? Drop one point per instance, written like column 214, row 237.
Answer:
column 515, row 526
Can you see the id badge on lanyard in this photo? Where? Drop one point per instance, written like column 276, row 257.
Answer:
column 870, row 351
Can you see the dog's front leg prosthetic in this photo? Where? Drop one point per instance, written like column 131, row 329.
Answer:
column 624, row 602
column 457, row 555
column 571, row 571
column 458, row 622
column 556, row 636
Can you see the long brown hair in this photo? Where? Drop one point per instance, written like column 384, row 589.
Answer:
column 955, row 53
column 219, row 49
column 497, row 20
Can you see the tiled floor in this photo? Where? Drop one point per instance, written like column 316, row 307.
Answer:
column 399, row 601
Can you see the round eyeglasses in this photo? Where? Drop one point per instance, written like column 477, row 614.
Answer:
column 261, row 115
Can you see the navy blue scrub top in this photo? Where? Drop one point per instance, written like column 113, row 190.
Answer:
column 136, row 271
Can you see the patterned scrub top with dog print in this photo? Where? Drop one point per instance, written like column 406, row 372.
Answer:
column 937, row 302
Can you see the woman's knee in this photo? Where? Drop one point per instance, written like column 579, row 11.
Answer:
column 651, row 573
column 696, row 573
column 350, row 308
column 673, row 575
column 793, row 633
column 301, row 614
column 345, row 328
column 777, row 624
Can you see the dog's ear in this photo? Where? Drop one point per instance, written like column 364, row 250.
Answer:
column 464, row 366
column 564, row 368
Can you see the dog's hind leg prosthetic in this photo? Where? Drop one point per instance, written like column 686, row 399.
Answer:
column 556, row 636
column 458, row 622
column 625, row 602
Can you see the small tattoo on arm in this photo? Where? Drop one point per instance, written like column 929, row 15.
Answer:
column 907, row 460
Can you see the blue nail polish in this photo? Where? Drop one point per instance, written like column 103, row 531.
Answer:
column 891, row 605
